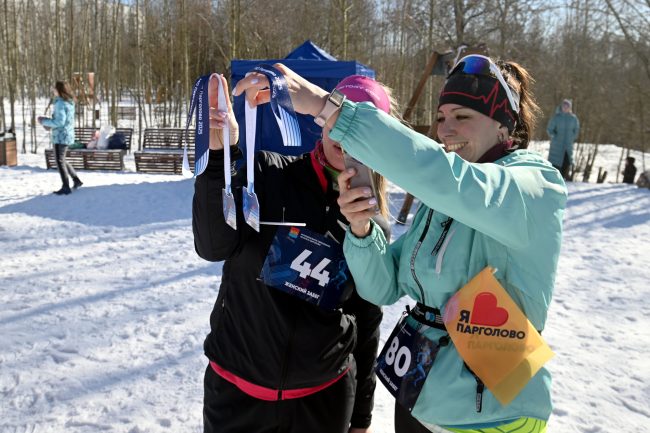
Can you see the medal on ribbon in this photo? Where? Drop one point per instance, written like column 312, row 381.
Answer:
column 200, row 103
column 285, row 116
column 250, row 202
column 228, row 199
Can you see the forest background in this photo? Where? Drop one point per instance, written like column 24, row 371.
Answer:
column 594, row 52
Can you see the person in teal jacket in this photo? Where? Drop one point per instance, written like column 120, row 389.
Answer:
column 62, row 126
column 563, row 128
column 485, row 201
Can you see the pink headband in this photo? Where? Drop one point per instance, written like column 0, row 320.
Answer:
column 358, row 88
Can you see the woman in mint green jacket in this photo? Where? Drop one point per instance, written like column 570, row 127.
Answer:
column 486, row 201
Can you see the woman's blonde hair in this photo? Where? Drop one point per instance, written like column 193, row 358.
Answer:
column 379, row 180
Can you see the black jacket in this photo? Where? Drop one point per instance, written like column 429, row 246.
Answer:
column 629, row 173
column 262, row 334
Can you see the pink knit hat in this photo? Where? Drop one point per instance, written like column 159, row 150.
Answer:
column 358, row 88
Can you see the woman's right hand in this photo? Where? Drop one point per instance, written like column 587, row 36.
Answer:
column 219, row 118
column 357, row 204
column 306, row 97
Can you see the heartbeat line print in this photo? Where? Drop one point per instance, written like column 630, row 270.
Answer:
column 490, row 98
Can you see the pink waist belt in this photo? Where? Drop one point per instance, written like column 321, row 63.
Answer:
column 270, row 394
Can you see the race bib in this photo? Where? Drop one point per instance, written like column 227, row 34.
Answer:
column 494, row 337
column 405, row 361
column 309, row 266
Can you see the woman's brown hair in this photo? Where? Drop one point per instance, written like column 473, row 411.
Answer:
column 64, row 90
column 521, row 81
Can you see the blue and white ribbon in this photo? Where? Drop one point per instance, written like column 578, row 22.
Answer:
column 281, row 106
column 229, row 206
column 250, row 201
column 199, row 103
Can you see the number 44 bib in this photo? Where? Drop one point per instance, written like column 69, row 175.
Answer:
column 309, row 266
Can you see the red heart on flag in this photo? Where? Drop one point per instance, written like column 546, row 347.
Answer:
column 485, row 311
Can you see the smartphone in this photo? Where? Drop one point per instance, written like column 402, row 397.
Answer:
column 364, row 176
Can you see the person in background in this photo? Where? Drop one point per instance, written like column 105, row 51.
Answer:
column 629, row 172
column 61, row 125
column 486, row 201
column 563, row 129
column 276, row 362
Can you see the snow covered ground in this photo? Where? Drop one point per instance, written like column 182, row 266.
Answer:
column 105, row 306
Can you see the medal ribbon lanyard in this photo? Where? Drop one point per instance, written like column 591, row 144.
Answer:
column 285, row 116
column 228, row 199
column 201, row 104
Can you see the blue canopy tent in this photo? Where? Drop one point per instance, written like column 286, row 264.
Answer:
column 312, row 63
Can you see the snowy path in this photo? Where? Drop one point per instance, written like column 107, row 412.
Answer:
column 105, row 306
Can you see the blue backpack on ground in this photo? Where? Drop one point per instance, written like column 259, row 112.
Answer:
column 117, row 141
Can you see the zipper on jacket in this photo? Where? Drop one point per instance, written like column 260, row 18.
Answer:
column 479, row 394
column 480, row 387
column 415, row 253
column 441, row 253
column 441, row 244
column 445, row 228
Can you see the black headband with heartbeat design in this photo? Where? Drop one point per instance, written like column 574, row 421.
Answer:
column 481, row 93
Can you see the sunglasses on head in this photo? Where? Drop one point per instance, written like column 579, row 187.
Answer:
column 475, row 64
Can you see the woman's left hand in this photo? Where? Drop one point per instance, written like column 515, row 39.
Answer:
column 40, row 120
column 357, row 204
column 220, row 118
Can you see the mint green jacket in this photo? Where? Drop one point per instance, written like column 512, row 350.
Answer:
column 507, row 215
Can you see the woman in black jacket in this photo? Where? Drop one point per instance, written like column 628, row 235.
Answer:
column 277, row 362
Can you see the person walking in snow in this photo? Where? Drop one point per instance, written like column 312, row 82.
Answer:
column 563, row 129
column 276, row 362
column 62, row 126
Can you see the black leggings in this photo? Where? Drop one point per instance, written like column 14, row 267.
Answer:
column 65, row 168
column 406, row 423
column 565, row 170
column 226, row 409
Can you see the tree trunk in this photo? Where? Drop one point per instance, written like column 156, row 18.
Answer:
column 10, row 59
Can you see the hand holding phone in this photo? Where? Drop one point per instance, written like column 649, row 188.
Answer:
column 364, row 176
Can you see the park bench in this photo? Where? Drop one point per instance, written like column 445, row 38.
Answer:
column 126, row 112
column 93, row 159
column 162, row 151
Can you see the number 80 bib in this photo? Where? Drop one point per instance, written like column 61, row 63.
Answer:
column 309, row 266
column 404, row 363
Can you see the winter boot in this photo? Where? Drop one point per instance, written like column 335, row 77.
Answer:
column 77, row 183
column 65, row 190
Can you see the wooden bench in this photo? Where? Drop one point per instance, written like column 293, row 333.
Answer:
column 93, row 159
column 162, row 151
column 126, row 112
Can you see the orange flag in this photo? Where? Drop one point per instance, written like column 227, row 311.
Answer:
column 494, row 337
